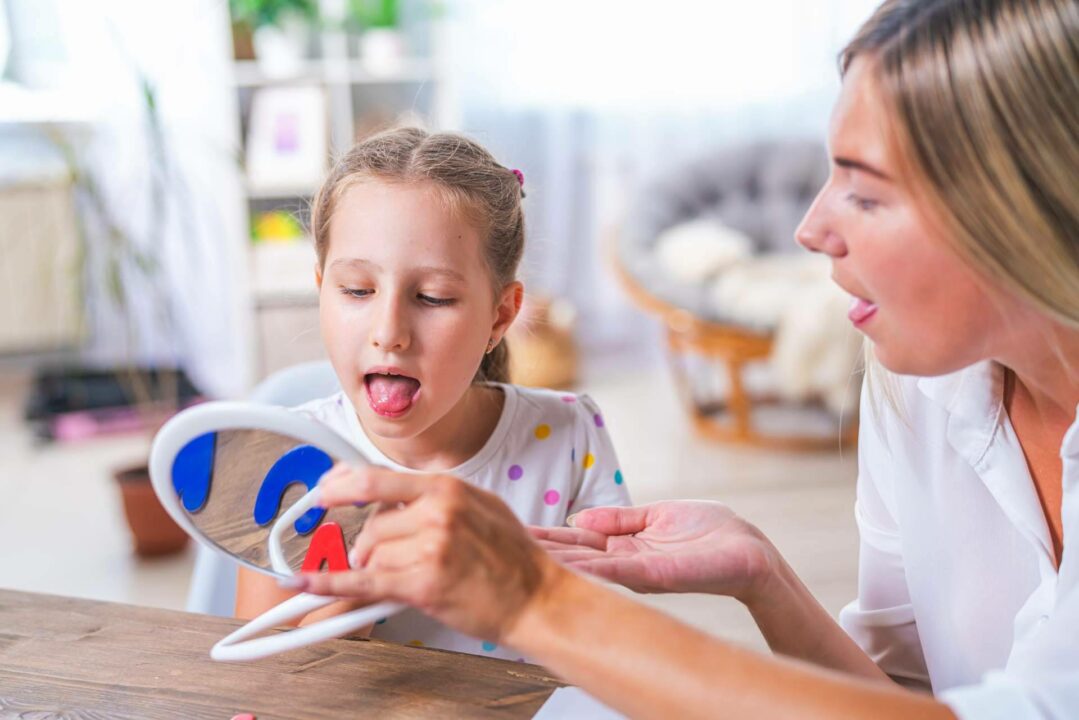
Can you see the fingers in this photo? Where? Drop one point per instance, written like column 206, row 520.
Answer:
column 364, row 586
column 569, row 536
column 344, row 485
column 612, row 520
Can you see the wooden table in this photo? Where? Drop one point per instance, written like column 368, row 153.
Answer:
column 86, row 659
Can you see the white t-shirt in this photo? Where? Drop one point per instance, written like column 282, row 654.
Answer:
column 958, row 589
column 549, row 456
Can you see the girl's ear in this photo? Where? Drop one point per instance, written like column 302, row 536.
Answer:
column 318, row 276
column 509, row 305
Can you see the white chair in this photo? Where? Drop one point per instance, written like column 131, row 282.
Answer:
column 213, row 580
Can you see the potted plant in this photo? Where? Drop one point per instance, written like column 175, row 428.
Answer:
column 122, row 262
column 278, row 30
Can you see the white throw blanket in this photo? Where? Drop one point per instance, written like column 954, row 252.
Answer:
column 816, row 348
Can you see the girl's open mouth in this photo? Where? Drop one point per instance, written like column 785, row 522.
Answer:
column 391, row 394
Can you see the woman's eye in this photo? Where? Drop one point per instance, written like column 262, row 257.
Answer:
column 437, row 302
column 862, row 203
column 356, row 292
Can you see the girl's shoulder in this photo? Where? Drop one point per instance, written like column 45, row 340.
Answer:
column 329, row 410
column 553, row 408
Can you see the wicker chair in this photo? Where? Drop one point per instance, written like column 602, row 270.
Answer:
column 762, row 190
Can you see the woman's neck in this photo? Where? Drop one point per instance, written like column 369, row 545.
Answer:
column 455, row 438
column 1048, row 372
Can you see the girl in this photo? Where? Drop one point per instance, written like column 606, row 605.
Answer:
column 418, row 238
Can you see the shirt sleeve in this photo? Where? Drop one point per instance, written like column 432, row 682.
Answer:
column 881, row 619
column 598, row 475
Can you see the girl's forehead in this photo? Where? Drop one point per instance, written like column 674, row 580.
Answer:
column 409, row 223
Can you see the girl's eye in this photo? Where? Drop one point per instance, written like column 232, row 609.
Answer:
column 864, row 204
column 356, row 292
column 437, row 302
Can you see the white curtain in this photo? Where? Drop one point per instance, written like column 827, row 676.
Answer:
column 592, row 98
column 97, row 57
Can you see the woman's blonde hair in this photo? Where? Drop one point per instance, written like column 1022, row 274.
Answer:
column 469, row 180
column 984, row 101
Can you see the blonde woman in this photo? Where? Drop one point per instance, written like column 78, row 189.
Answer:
column 952, row 217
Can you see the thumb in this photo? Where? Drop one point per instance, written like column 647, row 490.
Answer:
column 611, row 520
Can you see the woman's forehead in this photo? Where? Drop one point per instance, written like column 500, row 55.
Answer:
column 860, row 128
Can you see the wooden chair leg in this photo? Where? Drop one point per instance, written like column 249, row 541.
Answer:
column 740, row 404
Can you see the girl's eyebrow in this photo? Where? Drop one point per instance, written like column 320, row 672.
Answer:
column 423, row 269
column 851, row 164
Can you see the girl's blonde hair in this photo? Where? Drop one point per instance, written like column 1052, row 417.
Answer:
column 984, row 101
column 469, row 180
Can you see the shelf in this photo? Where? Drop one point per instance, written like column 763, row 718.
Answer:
column 283, row 273
column 352, row 72
column 280, row 192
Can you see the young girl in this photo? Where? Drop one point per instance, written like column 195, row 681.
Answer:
column 418, row 239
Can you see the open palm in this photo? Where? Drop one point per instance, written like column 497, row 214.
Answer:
column 672, row 546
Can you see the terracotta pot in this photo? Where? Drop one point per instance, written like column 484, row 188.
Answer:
column 153, row 531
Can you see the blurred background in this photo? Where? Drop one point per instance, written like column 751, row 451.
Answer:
column 156, row 164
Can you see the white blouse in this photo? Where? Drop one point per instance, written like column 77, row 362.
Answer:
column 958, row 589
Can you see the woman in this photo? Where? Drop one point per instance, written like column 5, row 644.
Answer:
column 952, row 217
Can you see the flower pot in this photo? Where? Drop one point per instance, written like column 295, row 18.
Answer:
column 154, row 532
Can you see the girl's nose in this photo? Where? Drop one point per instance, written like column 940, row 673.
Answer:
column 390, row 331
column 817, row 231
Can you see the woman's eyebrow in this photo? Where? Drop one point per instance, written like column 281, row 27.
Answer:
column 448, row 273
column 851, row 164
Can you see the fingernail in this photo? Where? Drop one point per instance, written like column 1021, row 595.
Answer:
column 354, row 557
column 571, row 520
column 293, row 582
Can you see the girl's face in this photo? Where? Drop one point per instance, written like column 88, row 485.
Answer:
column 923, row 307
column 406, row 305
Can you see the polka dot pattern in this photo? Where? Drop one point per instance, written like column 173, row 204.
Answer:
column 489, row 647
column 598, row 419
column 589, row 460
column 516, row 472
column 416, row 643
column 543, row 431
column 568, row 399
column 617, row 477
column 551, row 497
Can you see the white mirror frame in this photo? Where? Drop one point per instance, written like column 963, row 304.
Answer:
column 218, row 416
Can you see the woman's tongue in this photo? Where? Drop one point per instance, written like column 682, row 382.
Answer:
column 391, row 394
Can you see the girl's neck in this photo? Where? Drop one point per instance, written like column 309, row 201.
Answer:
column 456, row 437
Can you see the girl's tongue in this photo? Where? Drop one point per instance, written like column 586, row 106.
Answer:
column 391, row 395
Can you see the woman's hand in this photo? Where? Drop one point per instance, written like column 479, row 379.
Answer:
column 674, row 546
column 453, row 551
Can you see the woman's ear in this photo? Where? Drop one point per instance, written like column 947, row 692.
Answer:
column 509, row 306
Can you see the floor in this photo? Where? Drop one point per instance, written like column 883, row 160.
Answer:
column 62, row 529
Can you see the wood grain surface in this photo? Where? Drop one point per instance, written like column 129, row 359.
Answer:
column 241, row 460
column 72, row 658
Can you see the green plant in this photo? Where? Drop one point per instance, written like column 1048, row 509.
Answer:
column 374, row 13
column 257, row 13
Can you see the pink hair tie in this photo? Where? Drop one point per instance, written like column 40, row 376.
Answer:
column 520, row 176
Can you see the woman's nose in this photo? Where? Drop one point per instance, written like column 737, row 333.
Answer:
column 390, row 331
column 817, row 231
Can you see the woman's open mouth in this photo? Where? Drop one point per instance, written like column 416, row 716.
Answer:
column 390, row 393
column 861, row 310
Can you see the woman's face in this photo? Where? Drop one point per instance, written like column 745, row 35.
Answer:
column 923, row 307
column 406, row 306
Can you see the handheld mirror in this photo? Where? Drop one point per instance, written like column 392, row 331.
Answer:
column 242, row 480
